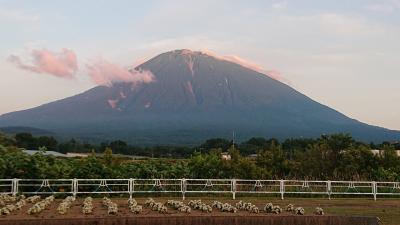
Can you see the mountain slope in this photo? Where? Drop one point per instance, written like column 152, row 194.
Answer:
column 194, row 96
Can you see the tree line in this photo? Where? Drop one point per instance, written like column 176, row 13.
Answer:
column 329, row 157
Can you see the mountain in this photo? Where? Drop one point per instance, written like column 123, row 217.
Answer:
column 32, row 130
column 194, row 96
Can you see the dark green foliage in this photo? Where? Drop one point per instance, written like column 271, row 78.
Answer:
column 27, row 141
column 215, row 143
column 334, row 157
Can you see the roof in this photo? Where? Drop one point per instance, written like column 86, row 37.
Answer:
column 52, row 153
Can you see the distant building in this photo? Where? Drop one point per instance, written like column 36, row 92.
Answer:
column 376, row 152
column 77, row 155
column 52, row 153
column 81, row 155
column 380, row 152
column 225, row 156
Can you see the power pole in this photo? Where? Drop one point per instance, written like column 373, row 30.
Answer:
column 233, row 139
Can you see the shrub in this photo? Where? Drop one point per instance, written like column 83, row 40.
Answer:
column 198, row 205
column 276, row 209
column 247, row 206
column 87, row 207
column 178, row 205
column 268, row 207
column 156, row 206
column 33, row 199
column 290, row 208
column 299, row 211
column 319, row 211
column 40, row 206
column 134, row 207
column 7, row 198
column 65, row 205
column 112, row 208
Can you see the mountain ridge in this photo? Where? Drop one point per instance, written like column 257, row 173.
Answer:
column 193, row 96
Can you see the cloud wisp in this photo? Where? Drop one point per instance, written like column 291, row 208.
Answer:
column 274, row 74
column 62, row 64
column 105, row 73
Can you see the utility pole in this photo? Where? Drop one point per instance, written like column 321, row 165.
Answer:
column 233, row 139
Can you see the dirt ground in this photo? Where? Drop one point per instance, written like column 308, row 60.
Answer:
column 388, row 210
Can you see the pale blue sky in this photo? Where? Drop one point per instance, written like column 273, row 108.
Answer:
column 344, row 54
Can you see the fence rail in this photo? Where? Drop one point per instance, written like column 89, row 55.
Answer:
column 186, row 186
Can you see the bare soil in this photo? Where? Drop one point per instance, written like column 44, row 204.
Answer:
column 173, row 217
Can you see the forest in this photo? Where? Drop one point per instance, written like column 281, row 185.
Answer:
column 329, row 157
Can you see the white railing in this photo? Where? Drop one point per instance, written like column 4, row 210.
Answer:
column 197, row 186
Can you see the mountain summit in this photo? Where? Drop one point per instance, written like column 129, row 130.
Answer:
column 193, row 96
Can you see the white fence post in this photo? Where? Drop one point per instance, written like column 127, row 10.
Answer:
column 130, row 187
column 282, row 188
column 14, row 186
column 329, row 189
column 233, row 188
column 183, row 188
column 74, row 187
column 374, row 189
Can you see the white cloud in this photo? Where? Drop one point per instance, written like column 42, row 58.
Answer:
column 17, row 16
column 385, row 7
column 380, row 8
column 346, row 25
column 189, row 42
column 280, row 5
column 329, row 23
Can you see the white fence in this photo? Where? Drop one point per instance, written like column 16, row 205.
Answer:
column 198, row 186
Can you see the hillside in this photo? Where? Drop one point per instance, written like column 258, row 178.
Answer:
column 194, row 96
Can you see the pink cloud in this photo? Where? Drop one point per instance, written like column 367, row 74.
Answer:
column 63, row 64
column 274, row 74
column 105, row 73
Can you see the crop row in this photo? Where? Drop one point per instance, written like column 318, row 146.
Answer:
column 9, row 204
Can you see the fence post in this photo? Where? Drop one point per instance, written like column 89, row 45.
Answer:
column 183, row 188
column 74, row 186
column 282, row 188
column 14, row 187
column 233, row 188
column 130, row 183
column 133, row 186
column 329, row 189
column 374, row 189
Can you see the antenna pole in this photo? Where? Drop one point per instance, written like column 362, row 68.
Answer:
column 233, row 139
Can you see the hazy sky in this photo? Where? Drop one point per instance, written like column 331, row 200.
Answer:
column 345, row 54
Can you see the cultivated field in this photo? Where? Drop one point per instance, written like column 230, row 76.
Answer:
column 388, row 210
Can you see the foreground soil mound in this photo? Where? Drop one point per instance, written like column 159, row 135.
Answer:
column 201, row 220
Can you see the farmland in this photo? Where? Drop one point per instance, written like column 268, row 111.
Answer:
column 387, row 210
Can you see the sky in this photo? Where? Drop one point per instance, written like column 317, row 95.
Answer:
column 344, row 53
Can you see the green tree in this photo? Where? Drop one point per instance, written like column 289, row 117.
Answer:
column 25, row 140
column 49, row 142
